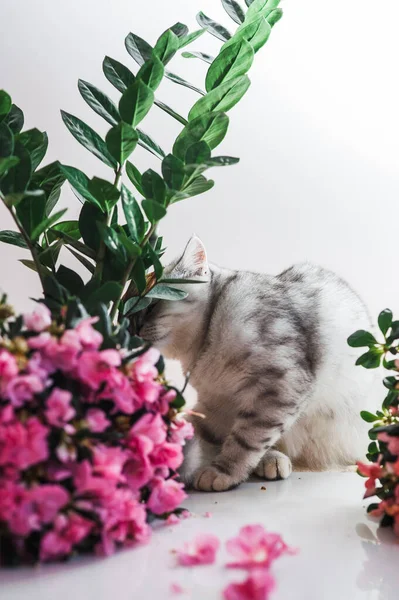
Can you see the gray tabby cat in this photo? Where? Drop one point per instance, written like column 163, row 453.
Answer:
column 268, row 357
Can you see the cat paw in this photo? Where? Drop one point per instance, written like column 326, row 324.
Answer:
column 274, row 465
column 210, row 479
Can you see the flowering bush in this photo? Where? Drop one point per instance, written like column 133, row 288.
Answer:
column 89, row 438
column 383, row 470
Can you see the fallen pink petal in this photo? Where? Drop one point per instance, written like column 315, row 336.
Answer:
column 202, row 551
column 172, row 520
column 176, row 588
column 256, row 547
column 258, row 586
column 208, row 515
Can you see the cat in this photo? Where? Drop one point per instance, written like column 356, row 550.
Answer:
column 268, row 356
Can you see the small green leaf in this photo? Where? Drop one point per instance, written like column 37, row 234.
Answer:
column 222, row 98
column 197, row 153
column 86, row 136
column 134, row 305
column 46, row 224
column 233, row 62
column 180, row 81
column 154, row 211
column 109, row 292
column 274, row 17
column 370, row 359
column 17, row 179
column 390, row 382
column 70, row 280
column 212, row 27
column 373, row 448
column 5, row 103
column 256, row 32
column 196, row 187
column 89, row 216
column 210, row 128
column 6, row 141
column 179, row 29
column 86, row 263
column 234, row 11
column 135, row 177
column 112, row 241
column 138, row 48
column 36, row 144
column 7, row 163
column 138, row 272
column 31, row 213
column 15, row 119
column 117, row 74
column 135, row 103
column 145, row 141
column 385, row 320
column 49, row 256
column 368, row 417
column 170, row 111
column 72, row 241
column 153, row 186
column 106, row 194
column 99, row 102
column 151, row 72
column 165, row 292
column 158, row 268
column 121, row 140
column 201, row 55
column 12, row 237
column 166, row 46
column 79, row 182
column 361, row 338
column 132, row 249
column 49, row 179
column 191, row 37
column 173, row 172
column 69, row 227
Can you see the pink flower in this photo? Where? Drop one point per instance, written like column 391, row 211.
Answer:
column 65, row 351
column 181, row 430
column 22, row 388
column 40, row 366
column 202, row 551
column 96, row 420
column 254, row 547
column 48, row 501
column 68, row 531
column 8, row 369
column 138, row 469
column 119, row 389
column 96, row 367
column 373, row 471
column 23, row 445
column 39, row 319
column 391, row 441
column 259, row 584
column 166, row 496
column 151, row 426
column 59, row 410
column 172, row 520
column 144, row 374
column 167, row 455
column 108, row 462
column 88, row 336
column 86, row 482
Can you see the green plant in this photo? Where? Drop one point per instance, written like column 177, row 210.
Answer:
column 123, row 261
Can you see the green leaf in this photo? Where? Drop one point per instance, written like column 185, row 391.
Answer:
column 7, row 163
column 153, row 186
column 182, row 280
column 212, row 27
column 255, row 32
column 233, row 62
column 373, row 448
column 196, row 187
column 385, row 320
column 151, row 72
column 135, row 222
column 17, row 179
column 166, row 46
column 205, row 57
column 89, row 216
column 79, row 182
column 5, row 103
column 138, row 48
column 12, row 237
column 136, row 102
column 86, row 263
column 121, row 140
column 70, row 280
column 69, row 227
column 191, row 37
column 49, row 256
column 170, row 111
column 361, row 338
column 138, row 273
column 257, row 7
column 71, row 241
column 36, row 144
column 390, row 382
column 135, row 177
column 49, row 179
column 368, row 417
column 180, row 81
column 117, row 74
column 131, row 247
column 234, row 10
column 210, row 128
column 89, row 139
column 32, row 265
column 46, row 223
column 158, row 268
column 274, row 16
column 31, row 212
column 193, row 170
column 154, row 211
column 112, row 241
column 134, row 305
column 165, row 292
column 173, row 172
column 109, row 292
column 99, row 102
column 15, row 119
column 145, row 141
column 179, row 29
column 222, row 98
column 197, row 153
column 6, row 141
column 370, row 359
column 106, row 194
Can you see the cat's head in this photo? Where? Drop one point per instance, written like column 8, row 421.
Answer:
column 167, row 324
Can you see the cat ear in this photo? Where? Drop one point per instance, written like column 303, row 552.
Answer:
column 194, row 261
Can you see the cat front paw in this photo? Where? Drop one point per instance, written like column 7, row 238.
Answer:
column 274, row 465
column 210, row 479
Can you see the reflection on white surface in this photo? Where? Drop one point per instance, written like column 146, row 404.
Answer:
column 343, row 555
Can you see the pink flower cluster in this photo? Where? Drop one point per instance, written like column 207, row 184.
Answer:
column 254, row 549
column 89, row 442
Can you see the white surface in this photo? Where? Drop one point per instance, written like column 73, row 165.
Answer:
column 342, row 555
column 317, row 132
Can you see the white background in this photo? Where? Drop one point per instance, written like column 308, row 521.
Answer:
column 317, row 132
